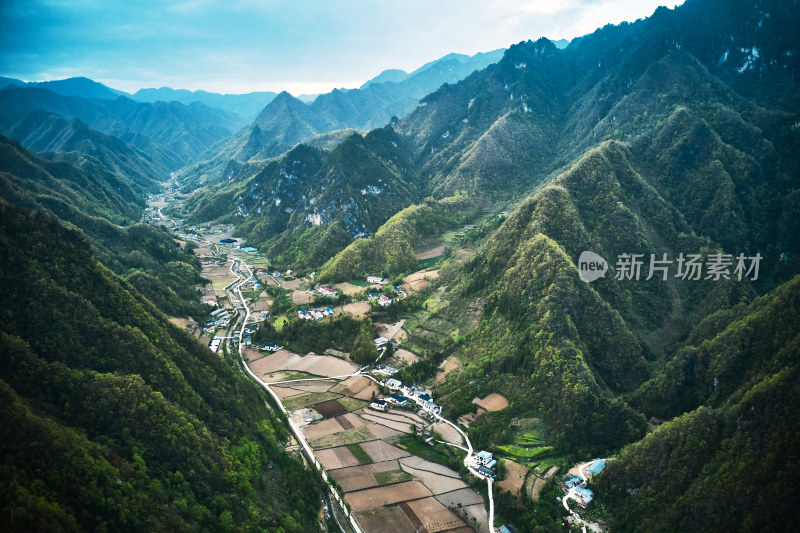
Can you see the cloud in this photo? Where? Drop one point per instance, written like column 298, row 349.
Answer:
column 244, row 43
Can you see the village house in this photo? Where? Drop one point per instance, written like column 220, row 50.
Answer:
column 398, row 400
column 379, row 405
column 380, row 341
column 376, row 280
column 393, row 384
column 324, row 290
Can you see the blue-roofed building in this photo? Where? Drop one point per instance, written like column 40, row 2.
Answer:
column 398, row 400
column 597, row 466
column 504, row 529
column 574, row 481
column 584, row 495
column 486, row 472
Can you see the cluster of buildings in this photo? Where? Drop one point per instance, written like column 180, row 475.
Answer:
column 220, row 318
column 406, row 393
column 576, row 486
column 314, row 314
column 324, row 290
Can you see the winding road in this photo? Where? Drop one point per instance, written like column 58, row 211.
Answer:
column 235, row 289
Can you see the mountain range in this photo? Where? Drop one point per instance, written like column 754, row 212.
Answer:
column 671, row 137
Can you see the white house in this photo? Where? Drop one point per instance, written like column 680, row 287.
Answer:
column 380, row 341
column 384, row 301
column 484, row 458
column 393, row 384
column 379, row 405
column 377, row 280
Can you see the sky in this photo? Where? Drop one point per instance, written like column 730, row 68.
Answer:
column 302, row 46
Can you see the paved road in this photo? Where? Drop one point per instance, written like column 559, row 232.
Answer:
column 236, row 287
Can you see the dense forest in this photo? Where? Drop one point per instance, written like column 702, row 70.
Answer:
column 113, row 419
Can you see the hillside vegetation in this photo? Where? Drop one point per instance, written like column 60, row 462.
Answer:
column 113, row 419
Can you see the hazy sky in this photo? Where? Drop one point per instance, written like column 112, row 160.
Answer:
column 302, row 46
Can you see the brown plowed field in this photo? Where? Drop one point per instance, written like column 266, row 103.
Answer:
column 387, row 495
column 331, row 409
column 333, row 458
column 380, row 451
column 435, row 516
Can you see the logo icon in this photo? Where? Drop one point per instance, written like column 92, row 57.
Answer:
column 591, row 266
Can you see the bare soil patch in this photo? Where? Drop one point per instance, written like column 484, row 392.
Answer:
column 348, row 289
column 405, row 355
column 435, row 516
column 320, row 365
column 358, row 309
column 345, row 423
column 477, row 513
column 390, row 330
column 395, row 415
column 322, row 429
column 182, row 322
column 465, row 497
column 422, row 274
column 448, row 365
column 421, row 464
column 260, row 305
column 380, row 451
column 387, row 495
column 253, row 355
column 358, row 387
column 384, row 520
column 331, row 409
column 433, row 252
column 350, row 436
column 493, row 402
column 448, row 433
column 287, row 392
column 302, row 297
column 534, row 487
column 311, row 386
column 292, row 285
column 333, row 458
column 515, row 477
column 373, row 416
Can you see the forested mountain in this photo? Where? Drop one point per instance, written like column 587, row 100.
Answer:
column 42, row 131
column 287, row 120
column 673, row 135
column 309, row 203
column 106, row 208
column 113, row 419
column 717, row 466
column 180, row 132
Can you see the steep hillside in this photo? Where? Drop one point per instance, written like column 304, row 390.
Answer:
column 42, row 131
column 113, row 419
column 105, row 208
column 324, row 196
column 716, row 466
column 287, row 120
column 182, row 131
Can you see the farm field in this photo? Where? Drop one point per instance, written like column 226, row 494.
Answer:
column 387, row 488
